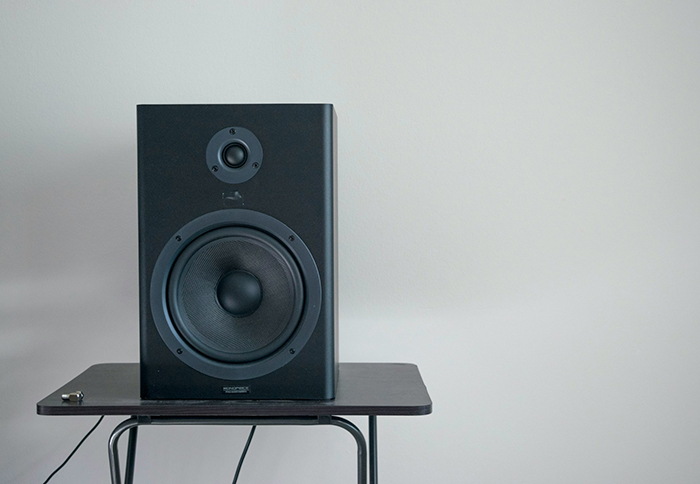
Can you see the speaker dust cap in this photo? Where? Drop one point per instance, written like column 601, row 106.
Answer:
column 235, row 294
column 234, row 155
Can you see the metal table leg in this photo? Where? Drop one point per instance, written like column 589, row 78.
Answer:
column 131, row 455
column 373, row 473
column 132, row 424
column 114, row 469
column 361, row 446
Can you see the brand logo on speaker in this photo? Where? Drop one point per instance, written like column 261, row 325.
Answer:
column 244, row 389
column 232, row 196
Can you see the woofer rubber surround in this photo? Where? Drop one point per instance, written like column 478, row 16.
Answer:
column 202, row 354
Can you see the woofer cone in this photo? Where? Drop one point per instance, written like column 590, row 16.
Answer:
column 194, row 298
column 164, row 302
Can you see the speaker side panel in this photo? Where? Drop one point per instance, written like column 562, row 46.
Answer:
column 296, row 185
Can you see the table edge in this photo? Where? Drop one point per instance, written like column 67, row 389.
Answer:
column 242, row 409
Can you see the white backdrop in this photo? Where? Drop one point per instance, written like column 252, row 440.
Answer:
column 519, row 215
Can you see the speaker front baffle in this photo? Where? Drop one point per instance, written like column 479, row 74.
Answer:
column 237, row 251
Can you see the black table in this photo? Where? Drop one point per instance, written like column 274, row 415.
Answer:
column 367, row 389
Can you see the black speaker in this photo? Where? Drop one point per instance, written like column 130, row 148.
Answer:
column 237, row 251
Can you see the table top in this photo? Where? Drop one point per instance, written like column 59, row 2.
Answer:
column 363, row 389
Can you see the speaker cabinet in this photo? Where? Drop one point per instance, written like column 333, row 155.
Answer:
column 237, row 251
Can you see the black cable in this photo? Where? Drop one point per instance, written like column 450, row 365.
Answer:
column 245, row 451
column 75, row 450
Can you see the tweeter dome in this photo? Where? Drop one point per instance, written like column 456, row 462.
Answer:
column 237, row 251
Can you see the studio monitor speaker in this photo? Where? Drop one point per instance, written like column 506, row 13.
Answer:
column 237, row 251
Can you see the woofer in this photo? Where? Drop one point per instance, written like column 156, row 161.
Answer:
column 188, row 288
column 263, row 280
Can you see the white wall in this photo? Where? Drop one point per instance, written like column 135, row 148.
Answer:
column 519, row 215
